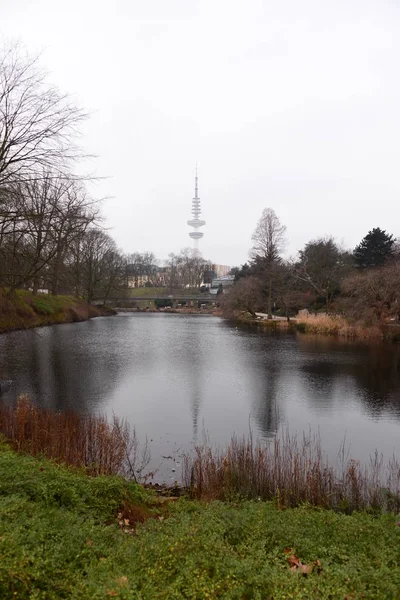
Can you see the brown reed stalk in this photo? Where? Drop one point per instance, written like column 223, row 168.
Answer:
column 292, row 471
column 89, row 441
column 338, row 325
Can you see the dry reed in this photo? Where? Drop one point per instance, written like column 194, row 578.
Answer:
column 292, row 471
column 335, row 325
column 89, row 441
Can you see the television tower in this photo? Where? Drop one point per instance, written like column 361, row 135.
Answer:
column 196, row 223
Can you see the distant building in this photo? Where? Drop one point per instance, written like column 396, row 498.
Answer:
column 139, row 281
column 139, row 275
column 221, row 270
column 145, row 276
column 215, row 271
column 219, row 283
column 208, row 276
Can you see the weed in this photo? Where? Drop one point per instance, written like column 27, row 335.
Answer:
column 291, row 471
column 103, row 448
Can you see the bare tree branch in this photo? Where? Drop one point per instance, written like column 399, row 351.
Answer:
column 38, row 124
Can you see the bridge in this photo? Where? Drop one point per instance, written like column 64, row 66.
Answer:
column 173, row 298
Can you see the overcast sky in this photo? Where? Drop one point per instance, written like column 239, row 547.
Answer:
column 282, row 103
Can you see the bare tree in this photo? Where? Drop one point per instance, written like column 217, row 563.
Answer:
column 172, row 271
column 191, row 267
column 245, row 295
column 268, row 243
column 139, row 264
column 268, row 237
column 38, row 124
column 322, row 265
column 75, row 213
column 40, row 219
column 26, row 231
column 374, row 293
column 97, row 265
column 186, row 269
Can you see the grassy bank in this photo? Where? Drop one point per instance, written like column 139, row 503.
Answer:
column 292, row 470
column 23, row 310
column 64, row 534
column 161, row 292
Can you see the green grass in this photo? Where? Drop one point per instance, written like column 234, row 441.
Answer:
column 161, row 292
column 46, row 304
column 60, row 537
column 49, row 305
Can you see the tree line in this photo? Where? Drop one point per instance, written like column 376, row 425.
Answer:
column 51, row 233
column 50, row 228
column 363, row 283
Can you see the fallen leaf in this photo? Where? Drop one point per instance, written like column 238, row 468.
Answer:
column 318, row 565
column 122, row 580
column 126, row 521
column 89, row 543
column 293, row 560
column 112, row 593
column 287, row 550
column 306, row 569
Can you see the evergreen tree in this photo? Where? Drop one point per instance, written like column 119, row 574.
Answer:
column 374, row 249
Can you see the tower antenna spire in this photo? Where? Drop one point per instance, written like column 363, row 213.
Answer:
column 196, row 223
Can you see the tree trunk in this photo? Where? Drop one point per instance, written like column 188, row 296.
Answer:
column 270, row 298
column 56, row 272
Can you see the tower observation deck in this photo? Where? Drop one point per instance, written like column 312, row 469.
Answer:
column 196, row 223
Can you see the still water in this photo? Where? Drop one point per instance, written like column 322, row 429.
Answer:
column 176, row 376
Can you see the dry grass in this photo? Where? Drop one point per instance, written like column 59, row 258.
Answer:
column 292, row 471
column 88, row 441
column 335, row 325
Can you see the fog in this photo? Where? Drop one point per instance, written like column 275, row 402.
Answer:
column 283, row 104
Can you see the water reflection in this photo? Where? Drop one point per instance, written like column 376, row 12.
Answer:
column 374, row 369
column 65, row 367
column 172, row 376
column 270, row 397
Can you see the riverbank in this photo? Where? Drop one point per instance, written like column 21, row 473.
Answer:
column 292, row 470
column 23, row 310
column 66, row 534
column 324, row 324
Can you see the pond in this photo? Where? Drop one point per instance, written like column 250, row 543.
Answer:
column 177, row 376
